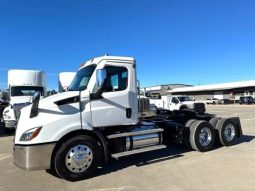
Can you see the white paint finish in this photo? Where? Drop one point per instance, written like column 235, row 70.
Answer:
column 30, row 78
column 55, row 120
column 166, row 102
column 111, row 109
column 26, row 78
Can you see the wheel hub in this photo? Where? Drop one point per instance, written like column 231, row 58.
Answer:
column 205, row 136
column 229, row 132
column 79, row 158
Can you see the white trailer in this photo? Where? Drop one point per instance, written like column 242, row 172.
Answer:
column 22, row 84
column 64, row 80
column 102, row 115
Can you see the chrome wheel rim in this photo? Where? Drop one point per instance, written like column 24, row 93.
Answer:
column 229, row 132
column 79, row 158
column 205, row 136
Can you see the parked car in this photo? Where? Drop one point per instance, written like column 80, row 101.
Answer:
column 226, row 101
column 246, row 100
column 212, row 101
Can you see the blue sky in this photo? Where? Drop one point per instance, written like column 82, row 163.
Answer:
column 173, row 41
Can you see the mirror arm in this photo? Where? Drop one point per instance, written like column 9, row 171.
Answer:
column 97, row 94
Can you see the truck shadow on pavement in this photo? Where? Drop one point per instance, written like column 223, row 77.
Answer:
column 244, row 139
column 172, row 151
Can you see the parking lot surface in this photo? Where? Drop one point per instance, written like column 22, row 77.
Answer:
column 174, row 168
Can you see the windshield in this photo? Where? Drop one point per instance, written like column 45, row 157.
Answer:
column 82, row 78
column 183, row 99
column 26, row 90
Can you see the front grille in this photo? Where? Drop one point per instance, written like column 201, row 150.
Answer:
column 17, row 107
column 199, row 106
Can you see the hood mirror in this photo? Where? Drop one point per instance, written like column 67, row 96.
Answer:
column 35, row 103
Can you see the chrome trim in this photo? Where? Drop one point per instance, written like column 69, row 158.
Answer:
column 10, row 124
column 229, row 132
column 33, row 157
column 205, row 136
column 79, row 158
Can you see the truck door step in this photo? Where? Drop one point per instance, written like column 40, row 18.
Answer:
column 136, row 151
column 150, row 131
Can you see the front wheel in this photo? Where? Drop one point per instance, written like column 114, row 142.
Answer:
column 78, row 158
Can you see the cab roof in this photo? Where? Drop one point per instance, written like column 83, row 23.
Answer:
column 128, row 60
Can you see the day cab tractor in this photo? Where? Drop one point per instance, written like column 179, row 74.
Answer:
column 102, row 115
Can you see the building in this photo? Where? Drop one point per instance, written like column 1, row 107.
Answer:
column 160, row 89
column 231, row 91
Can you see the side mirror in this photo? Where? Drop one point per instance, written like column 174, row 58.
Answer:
column 100, row 84
column 6, row 95
column 35, row 102
column 101, row 76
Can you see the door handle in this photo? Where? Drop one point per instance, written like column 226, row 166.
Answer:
column 128, row 112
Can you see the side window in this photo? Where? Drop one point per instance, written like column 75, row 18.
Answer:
column 174, row 100
column 116, row 78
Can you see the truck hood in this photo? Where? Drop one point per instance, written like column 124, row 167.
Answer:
column 49, row 112
column 49, row 102
column 188, row 102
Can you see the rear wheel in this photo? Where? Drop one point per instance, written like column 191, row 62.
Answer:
column 186, row 136
column 227, row 132
column 78, row 158
column 202, row 136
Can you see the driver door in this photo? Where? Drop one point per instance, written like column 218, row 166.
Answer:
column 115, row 106
column 174, row 103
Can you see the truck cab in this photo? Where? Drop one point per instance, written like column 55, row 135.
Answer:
column 22, row 84
column 87, row 107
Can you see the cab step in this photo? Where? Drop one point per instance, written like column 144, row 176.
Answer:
column 136, row 151
column 145, row 132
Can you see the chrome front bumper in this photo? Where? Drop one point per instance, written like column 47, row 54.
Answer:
column 33, row 157
column 10, row 124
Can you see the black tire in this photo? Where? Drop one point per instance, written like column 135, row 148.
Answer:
column 186, row 135
column 213, row 121
column 195, row 129
column 229, row 138
column 184, row 108
column 61, row 154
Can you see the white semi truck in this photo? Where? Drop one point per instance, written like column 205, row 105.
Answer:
column 101, row 116
column 172, row 102
column 64, row 80
column 22, row 84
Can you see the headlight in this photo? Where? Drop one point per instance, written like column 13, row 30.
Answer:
column 30, row 134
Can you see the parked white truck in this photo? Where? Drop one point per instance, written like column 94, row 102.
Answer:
column 178, row 103
column 64, row 80
column 102, row 116
column 22, row 84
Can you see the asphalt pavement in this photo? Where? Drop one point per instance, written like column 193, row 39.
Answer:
column 174, row 168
